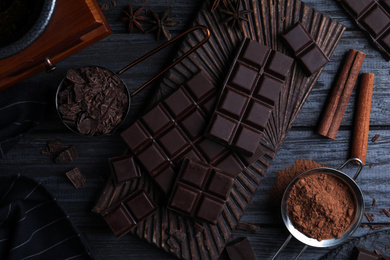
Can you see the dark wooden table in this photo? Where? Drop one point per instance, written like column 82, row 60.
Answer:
column 117, row 51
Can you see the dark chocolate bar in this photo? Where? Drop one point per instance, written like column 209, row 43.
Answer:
column 373, row 17
column 174, row 129
column 124, row 168
column 359, row 253
column 200, row 191
column 305, row 49
column 129, row 212
column 249, row 93
column 240, row 249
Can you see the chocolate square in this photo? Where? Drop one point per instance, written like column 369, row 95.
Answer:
column 140, row 206
column 243, row 77
column 257, row 115
column 153, row 159
column 297, row 38
column 279, row 65
column 269, row 89
column 178, row 103
column 173, row 142
column 220, row 184
column 209, row 209
column 233, row 103
column 246, row 139
column 184, row 199
column 255, row 54
column 376, row 20
column 313, row 59
column 124, row 168
column 224, row 127
column 136, row 136
column 156, row 120
column 200, row 87
column 357, row 7
column 194, row 124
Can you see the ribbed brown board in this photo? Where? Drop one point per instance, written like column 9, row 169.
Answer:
column 268, row 20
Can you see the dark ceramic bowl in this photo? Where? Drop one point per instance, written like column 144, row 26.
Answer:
column 21, row 23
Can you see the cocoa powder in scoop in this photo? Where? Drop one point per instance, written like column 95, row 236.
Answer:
column 321, row 206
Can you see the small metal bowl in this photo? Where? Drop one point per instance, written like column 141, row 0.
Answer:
column 359, row 206
column 65, row 82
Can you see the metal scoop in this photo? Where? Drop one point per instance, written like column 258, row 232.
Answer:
column 326, row 242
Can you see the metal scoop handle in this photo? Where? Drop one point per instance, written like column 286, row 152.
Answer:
column 204, row 28
column 284, row 245
column 358, row 161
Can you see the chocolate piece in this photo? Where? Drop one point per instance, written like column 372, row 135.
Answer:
column 249, row 92
column 78, row 180
column 359, row 253
column 369, row 217
column 174, row 129
column 200, row 191
column 68, row 155
column 124, row 168
column 373, row 17
column 240, row 249
column 305, row 49
column 92, row 101
column 129, row 212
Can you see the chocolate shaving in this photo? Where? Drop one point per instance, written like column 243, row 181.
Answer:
column 69, row 155
column 369, row 217
column 375, row 138
column 372, row 165
column 363, row 225
column 376, row 227
column 374, row 203
column 76, row 178
column 248, row 227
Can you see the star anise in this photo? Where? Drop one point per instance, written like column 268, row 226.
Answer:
column 161, row 23
column 216, row 4
column 235, row 16
column 133, row 18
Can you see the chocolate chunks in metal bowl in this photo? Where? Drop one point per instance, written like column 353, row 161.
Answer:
column 129, row 212
column 373, row 17
column 250, row 91
column 306, row 50
column 174, row 129
column 201, row 191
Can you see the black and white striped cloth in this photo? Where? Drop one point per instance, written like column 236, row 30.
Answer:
column 33, row 226
column 22, row 107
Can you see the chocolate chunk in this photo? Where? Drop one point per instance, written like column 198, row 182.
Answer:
column 68, row 155
column 374, row 201
column 76, row 178
column 305, row 49
column 240, row 249
column 200, row 191
column 375, row 138
column 387, row 212
column 369, row 217
column 359, row 253
column 250, row 91
column 124, row 168
column 174, row 129
column 129, row 212
column 373, row 17
column 92, row 101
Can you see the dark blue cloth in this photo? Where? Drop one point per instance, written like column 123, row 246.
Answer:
column 33, row 226
column 22, row 107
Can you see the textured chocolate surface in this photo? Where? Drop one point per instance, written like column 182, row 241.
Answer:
column 174, row 129
column 373, row 17
column 129, row 212
column 124, row 168
column 200, row 191
column 240, row 249
column 250, row 91
column 305, row 49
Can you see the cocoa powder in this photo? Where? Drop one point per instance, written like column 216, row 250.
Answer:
column 321, row 206
column 284, row 178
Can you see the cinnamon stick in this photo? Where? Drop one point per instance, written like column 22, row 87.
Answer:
column 339, row 98
column 362, row 118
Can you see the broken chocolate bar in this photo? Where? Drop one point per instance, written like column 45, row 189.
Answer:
column 249, row 93
column 200, row 191
column 306, row 50
column 240, row 249
column 124, row 168
column 129, row 212
column 78, row 180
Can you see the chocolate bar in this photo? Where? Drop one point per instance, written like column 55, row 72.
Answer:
column 249, row 93
column 124, row 168
column 240, row 249
column 129, row 212
column 200, row 191
column 359, row 253
column 305, row 49
column 174, row 129
column 373, row 17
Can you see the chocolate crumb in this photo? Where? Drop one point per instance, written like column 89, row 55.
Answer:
column 374, row 201
column 372, row 165
column 248, row 227
column 178, row 235
column 69, row 155
column 369, row 217
column 375, row 138
column 387, row 212
column 363, row 225
column 376, row 251
column 174, row 246
column 78, row 180
column 376, row 227
column 113, row 2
